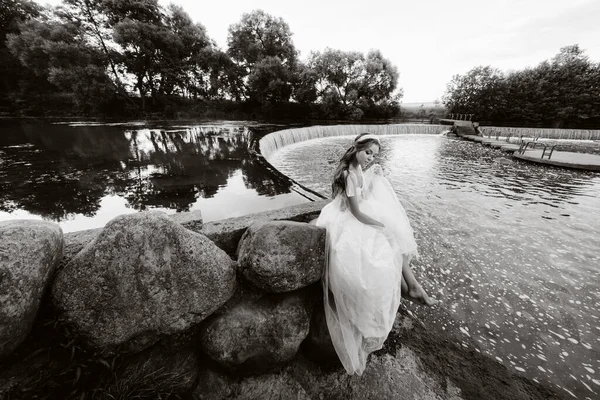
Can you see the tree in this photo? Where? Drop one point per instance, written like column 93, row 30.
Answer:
column 57, row 53
column 262, row 47
column 259, row 35
column 348, row 81
column 13, row 13
column 91, row 17
column 270, row 81
column 475, row 92
column 184, row 63
column 138, row 30
column 563, row 91
column 304, row 80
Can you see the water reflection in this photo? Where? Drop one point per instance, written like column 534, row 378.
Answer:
column 509, row 247
column 61, row 173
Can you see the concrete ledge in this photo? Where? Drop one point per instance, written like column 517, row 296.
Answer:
column 225, row 233
column 589, row 162
column 509, row 148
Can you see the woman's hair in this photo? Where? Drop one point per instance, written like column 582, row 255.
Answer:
column 339, row 182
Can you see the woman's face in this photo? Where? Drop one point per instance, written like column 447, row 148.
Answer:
column 366, row 156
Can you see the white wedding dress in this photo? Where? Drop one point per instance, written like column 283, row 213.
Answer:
column 362, row 277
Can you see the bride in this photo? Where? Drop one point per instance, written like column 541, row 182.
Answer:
column 370, row 245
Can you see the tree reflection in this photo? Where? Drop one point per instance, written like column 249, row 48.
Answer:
column 55, row 171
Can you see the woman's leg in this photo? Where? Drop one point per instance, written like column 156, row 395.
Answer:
column 412, row 288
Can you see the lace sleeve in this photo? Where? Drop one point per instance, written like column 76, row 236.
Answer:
column 377, row 170
column 350, row 185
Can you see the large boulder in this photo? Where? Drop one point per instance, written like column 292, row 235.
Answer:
column 29, row 253
column 144, row 276
column 258, row 335
column 282, row 256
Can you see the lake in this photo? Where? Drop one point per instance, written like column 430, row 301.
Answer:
column 510, row 248
column 82, row 174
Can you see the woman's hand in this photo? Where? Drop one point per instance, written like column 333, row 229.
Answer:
column 377, row 170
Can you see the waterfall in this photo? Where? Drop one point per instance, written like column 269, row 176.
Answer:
column 276, row 140
column 544, row 133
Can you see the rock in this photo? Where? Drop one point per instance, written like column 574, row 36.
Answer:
column 281, row 256
column 258, row 335
column 399, row 376
column 143, row 277
column 75, row 242
column 29, row 253
column 214, row 385
column 387, row 376
column 226, row 233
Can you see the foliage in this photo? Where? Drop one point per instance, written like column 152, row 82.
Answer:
column 58, row 56
column 347, row 83
column 262, row 48
column 13, row 13
column 561, row 92
column 259, row 35
column 122, row 56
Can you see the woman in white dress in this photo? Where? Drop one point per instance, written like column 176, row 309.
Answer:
column 370, row 244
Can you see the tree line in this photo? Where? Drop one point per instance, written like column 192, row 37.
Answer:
column 110, row 57
column 563, row 92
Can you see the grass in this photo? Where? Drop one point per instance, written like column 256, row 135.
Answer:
column 50, row 364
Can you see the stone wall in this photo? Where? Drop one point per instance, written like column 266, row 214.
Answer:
column 152, row 306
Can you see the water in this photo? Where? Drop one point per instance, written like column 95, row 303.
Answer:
column 81, row 175
column 511, row 248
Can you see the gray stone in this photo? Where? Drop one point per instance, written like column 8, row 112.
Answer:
column 387, row 376
column 29, row 253
column 226, row 233
column 258, row 335
column 214, row 385
column 143, row 277
column 281, row 256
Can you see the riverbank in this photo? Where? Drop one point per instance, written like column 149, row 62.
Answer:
column 417, row 361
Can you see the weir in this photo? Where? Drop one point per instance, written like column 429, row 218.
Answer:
column 276, row 140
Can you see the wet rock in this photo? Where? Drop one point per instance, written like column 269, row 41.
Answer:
column 255, row 336
column 282, row 256
column 143, row 277
column 387, row 376
column 29, row 253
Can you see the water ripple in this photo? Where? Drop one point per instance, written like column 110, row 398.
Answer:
column 510, row 247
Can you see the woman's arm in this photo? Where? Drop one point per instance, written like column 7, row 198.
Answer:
column 362, row 217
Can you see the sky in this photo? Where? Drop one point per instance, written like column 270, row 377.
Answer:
column 428, row 41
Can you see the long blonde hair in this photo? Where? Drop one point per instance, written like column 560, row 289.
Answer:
column 339, row 180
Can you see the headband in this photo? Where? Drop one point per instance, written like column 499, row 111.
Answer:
column 369, row 136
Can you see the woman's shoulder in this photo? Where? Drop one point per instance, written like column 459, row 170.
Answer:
column 350, row 173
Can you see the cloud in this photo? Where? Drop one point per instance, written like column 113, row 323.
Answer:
column 530, row 40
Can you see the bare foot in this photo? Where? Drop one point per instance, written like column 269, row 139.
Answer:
column 419, row 296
